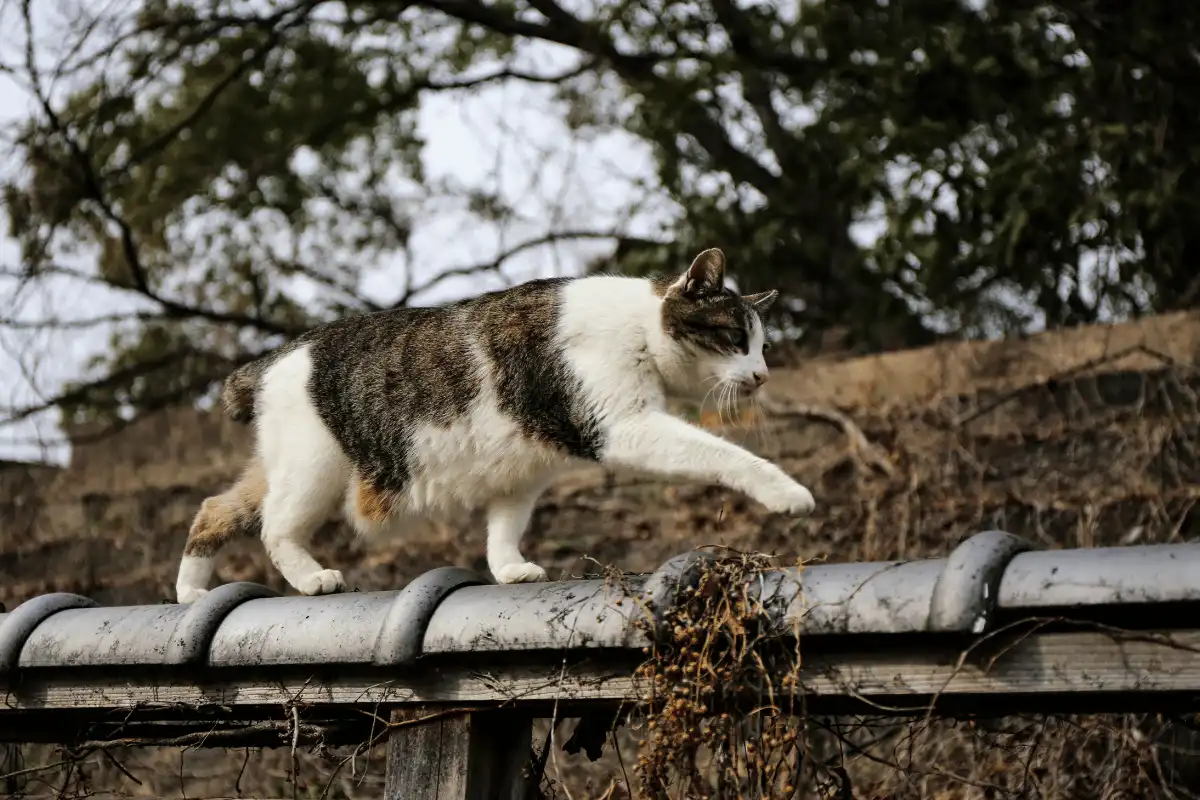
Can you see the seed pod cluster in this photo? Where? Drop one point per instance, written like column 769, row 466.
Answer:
column 714, row 717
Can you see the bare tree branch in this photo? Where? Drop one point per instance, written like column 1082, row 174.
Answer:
column 170, row 311
column 425, row 84
column 76, row 324
column 110, row 381
column 496, row 263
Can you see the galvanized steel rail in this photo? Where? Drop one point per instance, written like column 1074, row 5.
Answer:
column 995, row 626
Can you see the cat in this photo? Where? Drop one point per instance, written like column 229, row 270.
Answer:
column 478, row 404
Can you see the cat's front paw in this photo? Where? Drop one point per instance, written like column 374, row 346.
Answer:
column 520, row 573
column 789, row 498
column 327, row 581
column 190, row 594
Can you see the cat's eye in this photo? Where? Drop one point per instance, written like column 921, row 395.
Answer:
column 738, row 338
column 766, row 346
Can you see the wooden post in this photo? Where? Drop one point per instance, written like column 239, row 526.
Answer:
column 472, row 755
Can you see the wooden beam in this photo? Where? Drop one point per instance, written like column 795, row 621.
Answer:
column 458, row 754
column 1083, row 664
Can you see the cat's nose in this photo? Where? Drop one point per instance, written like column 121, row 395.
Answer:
column 759, row 378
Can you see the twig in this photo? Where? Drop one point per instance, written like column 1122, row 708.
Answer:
column 295, row 742
column 119, row 765
column 861, row 450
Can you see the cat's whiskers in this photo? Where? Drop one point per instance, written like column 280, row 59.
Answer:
column 715, row 391
column 760, row 423
column 716, row 385
column 729, row 400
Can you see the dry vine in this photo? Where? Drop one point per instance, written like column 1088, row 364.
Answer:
column 711, row 723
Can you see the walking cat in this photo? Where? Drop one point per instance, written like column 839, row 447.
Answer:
column 478, row 404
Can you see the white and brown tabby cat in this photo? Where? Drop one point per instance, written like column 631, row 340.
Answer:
column 478, row 404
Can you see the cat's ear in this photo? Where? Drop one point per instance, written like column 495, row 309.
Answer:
column 761, row 301
column 705, row 276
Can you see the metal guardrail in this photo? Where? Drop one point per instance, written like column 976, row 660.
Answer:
column 890, row 634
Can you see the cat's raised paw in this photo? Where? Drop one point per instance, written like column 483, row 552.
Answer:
column 327, row 581
column 792, row 499
column 191, row 595
column 520, row 573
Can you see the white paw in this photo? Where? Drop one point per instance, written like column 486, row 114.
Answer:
column 789, row 498
column 190, row 594
column 327, row 581
column 520, row 573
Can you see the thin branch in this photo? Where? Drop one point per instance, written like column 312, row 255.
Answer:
column 119, row 766
column 211, row 315
column 69, row 324
column 496, row 263
column 410, row 94
column 113, row 379
column 862, row 451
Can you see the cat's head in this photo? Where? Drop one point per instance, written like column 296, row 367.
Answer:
column 716, row 335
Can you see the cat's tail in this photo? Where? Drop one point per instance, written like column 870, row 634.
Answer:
column 241, row 388
column 222, row 518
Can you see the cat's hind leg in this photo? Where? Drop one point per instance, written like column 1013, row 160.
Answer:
column 222, row 518
column 307, row 474
column 507, row 519
column 295, row 506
